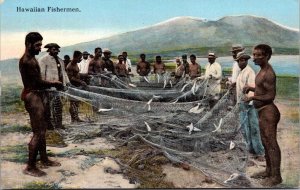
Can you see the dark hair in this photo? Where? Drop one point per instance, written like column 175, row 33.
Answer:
column 76, row 54
column 66, row 57
column 124, row 52
column 120, row 56
column 33, row 37
column 194, row 56
column 158, row 56
column 97, row 48
column 266, row 49
column 142, row 55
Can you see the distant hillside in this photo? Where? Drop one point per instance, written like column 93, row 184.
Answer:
column 186, row 35
column 188, row 32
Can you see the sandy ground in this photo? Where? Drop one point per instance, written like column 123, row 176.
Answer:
column 81, row 171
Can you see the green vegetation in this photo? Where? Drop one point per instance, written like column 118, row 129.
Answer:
column 15, row 128
column 287, row 87
column 16, row 153
column 53, row 138
column 10, row 99
column 41, row 185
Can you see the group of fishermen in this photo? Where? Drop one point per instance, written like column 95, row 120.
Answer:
column 255, row 94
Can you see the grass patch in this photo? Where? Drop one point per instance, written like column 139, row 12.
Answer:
column 287, row 87
column 15, row 128
column 145, row 165
column 53, row 138
column 10, row 99
column 41, row 185
column 16, row 153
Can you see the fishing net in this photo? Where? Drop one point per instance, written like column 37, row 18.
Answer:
column 176, row 117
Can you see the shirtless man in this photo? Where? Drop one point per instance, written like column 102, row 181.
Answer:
column 121, row 69
column 194, row 68
column 269, row 115
column 159, row 68
column 95, row 64
column 74, row 76
column 185, row 64
column 32, row 96
column 143, row 66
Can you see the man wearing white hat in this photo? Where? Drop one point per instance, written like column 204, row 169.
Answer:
column 248, row 114
column 213, row 73
column 235, row 67
column 53, row 69
column 235, row 49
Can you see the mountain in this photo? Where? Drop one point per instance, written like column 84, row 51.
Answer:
column 190, row 32
column 186, row 35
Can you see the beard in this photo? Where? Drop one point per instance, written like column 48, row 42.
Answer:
column 33, row 51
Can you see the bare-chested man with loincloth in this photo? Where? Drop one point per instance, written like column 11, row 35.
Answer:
column 32, row 96
column 269, row 115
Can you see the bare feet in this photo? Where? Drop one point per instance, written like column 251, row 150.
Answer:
column 51, row 163
column 260, row 175
column 272, row 181
column 34, row 171
column 260, row 158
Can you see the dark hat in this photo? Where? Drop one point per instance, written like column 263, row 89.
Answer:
column 211, row 55
column 51, row 45
column 237, row 47
column 242, row 54
column 184, row 56
column 85, row 53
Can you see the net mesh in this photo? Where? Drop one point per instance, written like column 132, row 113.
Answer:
column 173, row 116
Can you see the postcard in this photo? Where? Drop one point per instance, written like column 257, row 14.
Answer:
column 149, row 94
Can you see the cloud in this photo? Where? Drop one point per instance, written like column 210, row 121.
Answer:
column 12, row 43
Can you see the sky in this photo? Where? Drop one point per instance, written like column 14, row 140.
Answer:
column 102, row 18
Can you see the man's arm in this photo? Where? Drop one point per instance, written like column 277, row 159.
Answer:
column 217, row 75
column 74, row 80
column 148, row 67
column 138, row 68
column 269, row 88
column 29, row 70
column 91, row 70
column 43, row 67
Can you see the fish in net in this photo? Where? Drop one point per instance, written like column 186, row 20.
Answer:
column 176, row 120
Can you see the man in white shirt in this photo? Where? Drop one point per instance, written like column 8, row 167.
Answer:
column 127, row 61
column 53, row 69
column 235, row 49
column 248, row 114
column 213, row 73
column 84, row 63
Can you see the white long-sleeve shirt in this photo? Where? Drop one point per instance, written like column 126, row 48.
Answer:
column 235, row 71
column 214, row 84
column 84, row 66
column 49, row 69
column 246, row 77
column 128, row 63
